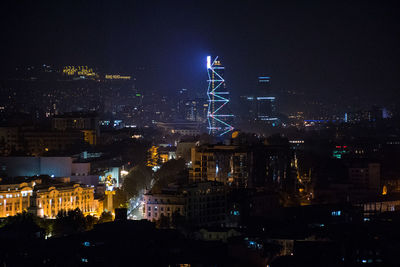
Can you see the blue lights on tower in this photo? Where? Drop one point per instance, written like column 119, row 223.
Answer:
column 217, row 97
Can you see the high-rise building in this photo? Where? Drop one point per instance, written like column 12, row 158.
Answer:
column 190, row 108
column 265, row 101
column 220, row 163
column 260, row 107
column 241, row 166
column 218, row 98
column 264, row 85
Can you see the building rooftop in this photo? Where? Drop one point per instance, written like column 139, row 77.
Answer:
column 77, row 115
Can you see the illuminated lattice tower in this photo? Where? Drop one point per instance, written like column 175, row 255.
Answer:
column 218, row 120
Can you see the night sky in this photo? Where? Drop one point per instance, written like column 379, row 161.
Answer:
column 337, row 49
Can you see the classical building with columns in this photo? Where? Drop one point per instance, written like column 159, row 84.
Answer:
column 47, row 199
column 52, row 199
column 15, row 198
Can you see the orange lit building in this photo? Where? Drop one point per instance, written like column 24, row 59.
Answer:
column 46, row 200
column 158, row 155
column 51, row 200
column 15, row 198
column 90, row 137
column 153, row 157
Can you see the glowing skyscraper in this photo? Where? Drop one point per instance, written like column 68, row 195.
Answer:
column 218, row 98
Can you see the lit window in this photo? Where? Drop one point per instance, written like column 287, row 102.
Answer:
column 336, row 213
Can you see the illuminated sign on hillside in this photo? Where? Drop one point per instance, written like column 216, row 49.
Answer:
column 78, row 70
column 117, row 77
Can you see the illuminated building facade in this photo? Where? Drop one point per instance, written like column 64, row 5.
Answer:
column 47, row 200
column 52, row 199
column 158, row 155
column 153, row 157
column 90, row 137
column 218, row 120
column 15, row 198
column 156, row 205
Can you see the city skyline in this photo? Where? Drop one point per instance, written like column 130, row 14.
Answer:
column 335, row 51
column 199, row 133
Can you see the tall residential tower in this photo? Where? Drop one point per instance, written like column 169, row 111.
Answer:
column 218, row 97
